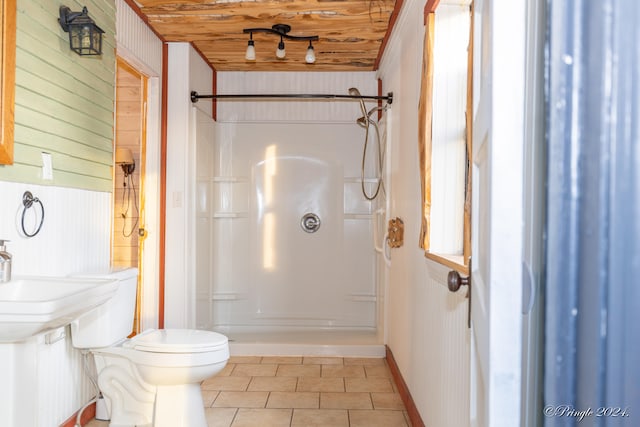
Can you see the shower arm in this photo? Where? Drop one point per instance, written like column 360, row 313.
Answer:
column 388, row 98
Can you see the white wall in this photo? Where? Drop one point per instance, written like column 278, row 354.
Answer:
column 43, row 384
column 426, row 324
column 136, row 41
column 307, row 82
column 75, row 235
column 186, row 72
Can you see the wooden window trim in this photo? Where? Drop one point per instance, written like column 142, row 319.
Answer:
column 425, row 114
column 455, row 262
column 466, row 249
column 7, row 79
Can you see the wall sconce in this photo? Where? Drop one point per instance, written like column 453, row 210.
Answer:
column 85, row 37
column 281, row 30
column 124, row 158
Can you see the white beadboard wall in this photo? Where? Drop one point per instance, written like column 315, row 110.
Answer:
column 73, row 238
column 134, row 36
column 426, row 324
column 43, row 384
column 444, row 390
column 293, row 83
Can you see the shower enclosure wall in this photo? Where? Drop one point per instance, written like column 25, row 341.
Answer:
column 265, row 272
column 258, row 269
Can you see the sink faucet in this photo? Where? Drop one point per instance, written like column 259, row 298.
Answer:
column 5, row 263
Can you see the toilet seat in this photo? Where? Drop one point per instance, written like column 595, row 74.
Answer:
column 172, row 348
column 177, row 341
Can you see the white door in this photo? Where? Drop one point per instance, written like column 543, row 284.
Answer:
column 497, row 212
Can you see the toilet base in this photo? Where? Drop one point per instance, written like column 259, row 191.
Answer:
column 179, row 406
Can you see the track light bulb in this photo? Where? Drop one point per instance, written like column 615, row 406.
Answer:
column 250, row 54
column 310, row 57
column 280, row 52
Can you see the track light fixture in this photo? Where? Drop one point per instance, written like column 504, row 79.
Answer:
column 281, row 30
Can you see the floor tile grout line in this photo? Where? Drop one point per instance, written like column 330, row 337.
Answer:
column 235, row 414
column 266, row 402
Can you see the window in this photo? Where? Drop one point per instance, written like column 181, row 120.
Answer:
column 445, row 135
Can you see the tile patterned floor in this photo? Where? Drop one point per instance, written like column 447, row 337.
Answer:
column 301, row 392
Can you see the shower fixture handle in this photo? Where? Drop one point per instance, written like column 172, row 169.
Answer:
column 310, row 222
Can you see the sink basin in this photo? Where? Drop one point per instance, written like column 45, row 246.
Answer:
column 30, row 305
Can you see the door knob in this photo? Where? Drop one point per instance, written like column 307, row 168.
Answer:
column 455, row 281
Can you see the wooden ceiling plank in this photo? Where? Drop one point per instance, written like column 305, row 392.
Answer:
column 351, row 32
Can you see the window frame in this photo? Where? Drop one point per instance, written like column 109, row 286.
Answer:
column 459, row 262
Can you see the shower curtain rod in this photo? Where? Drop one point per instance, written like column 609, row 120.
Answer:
column 389, row 97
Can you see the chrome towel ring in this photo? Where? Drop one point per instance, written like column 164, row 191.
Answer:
column 27, row 202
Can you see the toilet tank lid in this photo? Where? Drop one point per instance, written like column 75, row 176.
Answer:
column 177, row 341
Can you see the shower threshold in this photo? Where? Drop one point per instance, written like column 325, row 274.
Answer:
column 304, row 342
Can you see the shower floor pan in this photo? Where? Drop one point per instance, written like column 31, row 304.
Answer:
column 304, row 342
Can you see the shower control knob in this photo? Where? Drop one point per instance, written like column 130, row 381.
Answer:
column 310, row 222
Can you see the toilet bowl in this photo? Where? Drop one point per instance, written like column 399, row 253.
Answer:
column 152, row 379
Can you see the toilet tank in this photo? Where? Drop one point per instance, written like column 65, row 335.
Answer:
column 112, row 321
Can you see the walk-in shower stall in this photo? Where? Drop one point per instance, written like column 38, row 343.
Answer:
column 285, row 239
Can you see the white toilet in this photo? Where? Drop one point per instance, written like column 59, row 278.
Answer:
column 152, row 379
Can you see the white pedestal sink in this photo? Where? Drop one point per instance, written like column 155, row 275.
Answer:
column 31, row 305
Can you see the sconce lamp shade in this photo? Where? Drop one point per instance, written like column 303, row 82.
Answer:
column 85, row 37
column 124, row 156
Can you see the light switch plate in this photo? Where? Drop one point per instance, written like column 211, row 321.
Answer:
column 47, row 167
